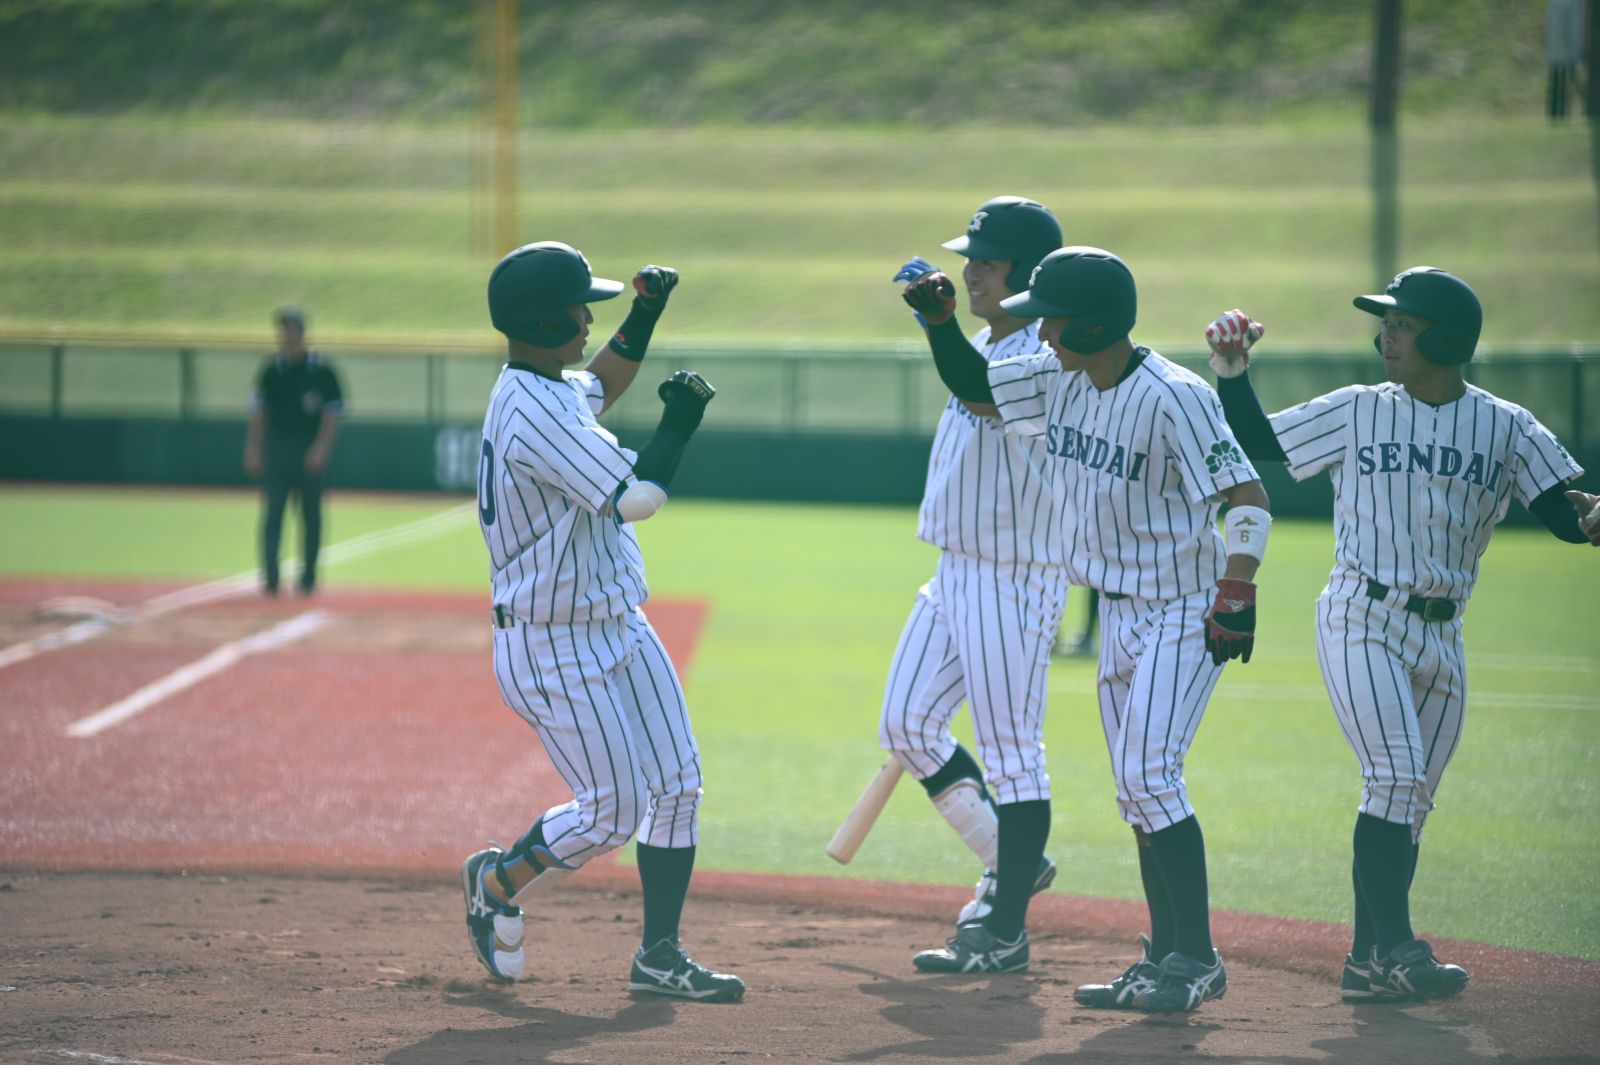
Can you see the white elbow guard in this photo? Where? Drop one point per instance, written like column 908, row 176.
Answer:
column 1247, row 529
column 638, row 501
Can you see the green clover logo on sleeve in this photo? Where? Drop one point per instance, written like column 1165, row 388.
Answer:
column 1222, row 455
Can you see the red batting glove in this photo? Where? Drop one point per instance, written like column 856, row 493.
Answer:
column 933, row 296
column 1231, row 621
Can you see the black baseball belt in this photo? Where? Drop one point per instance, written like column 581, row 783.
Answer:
column 1422, row 606
column 501, row 617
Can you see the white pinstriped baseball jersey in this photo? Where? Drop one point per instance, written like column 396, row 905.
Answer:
column 580, row 662
column 547, row 469
column 987, row 492
column 1141, row 466
column 1419, row 488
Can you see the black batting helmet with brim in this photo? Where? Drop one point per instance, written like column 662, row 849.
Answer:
column 532, row 287
column 1455, row 316
column 1010, row 229
column 1091, row 288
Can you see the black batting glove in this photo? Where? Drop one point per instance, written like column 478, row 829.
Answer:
column 1231, row 621
column 685, row 395
column 653, row 285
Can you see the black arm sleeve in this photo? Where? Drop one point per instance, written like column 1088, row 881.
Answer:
column 1558, row 514
column 658, row 459
column 1249, row 422
column 963, row 370
column 633, row 336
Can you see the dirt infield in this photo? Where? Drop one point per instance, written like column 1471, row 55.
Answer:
column 319, row 919
column 121, row 968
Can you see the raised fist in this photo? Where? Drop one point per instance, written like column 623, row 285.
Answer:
column 654, row 284
column 1230, row 337
column 933, row 296
column 686, row 386
column 685, row 394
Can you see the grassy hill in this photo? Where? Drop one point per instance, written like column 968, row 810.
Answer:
column 617, row 63
column 185, row 165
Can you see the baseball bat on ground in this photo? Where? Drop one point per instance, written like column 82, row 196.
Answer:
column 864, row 814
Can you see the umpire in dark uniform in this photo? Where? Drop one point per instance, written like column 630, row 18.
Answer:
column 294, row 419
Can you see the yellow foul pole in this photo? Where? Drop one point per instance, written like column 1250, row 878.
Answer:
column 505, row 114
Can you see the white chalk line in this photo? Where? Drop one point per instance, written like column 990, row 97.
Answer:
column 224, row 657
column 418, row 531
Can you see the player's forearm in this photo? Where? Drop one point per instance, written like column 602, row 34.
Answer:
column 1559, row 515
column 616, row 373
column 327, row 433
column 257, row 429
column 1249, row 422
column 1246, row 539
column 964, row 371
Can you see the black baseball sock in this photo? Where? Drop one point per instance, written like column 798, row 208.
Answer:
column 664, row 879
column 1024, row 830
column 1385, row 861
column 1364, row 938
column 1162, row 922
column 1180, row 853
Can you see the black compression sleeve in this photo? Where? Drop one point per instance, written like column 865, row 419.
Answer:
column 633, row 336
column 964, row 371
column 1558, row 514
column 658, row 459
column 1249, row 422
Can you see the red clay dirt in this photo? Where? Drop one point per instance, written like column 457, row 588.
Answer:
column 214, row 881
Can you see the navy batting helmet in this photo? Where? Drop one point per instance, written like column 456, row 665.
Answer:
column 1089, row 286
column 1010, row 228
column 1454, row 314
column 532, row 287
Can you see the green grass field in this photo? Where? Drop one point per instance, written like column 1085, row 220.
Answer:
column 175, row 225
column 807, row 604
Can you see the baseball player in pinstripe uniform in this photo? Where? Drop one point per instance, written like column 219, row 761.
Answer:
column 982, row 628
column 1423, row 467
column 1140, row 461
column 574, row 654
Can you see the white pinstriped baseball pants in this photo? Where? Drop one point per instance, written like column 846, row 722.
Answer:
column 1399, row 689
column 979, row 632
column 610, row 712
column 1156, row 677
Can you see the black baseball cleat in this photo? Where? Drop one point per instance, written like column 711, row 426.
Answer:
column 1184, row 983
column 1357, row 985
column 665, row 969
column 982, row 902
column 493, row 927
column 975, row 949
column 1120, row 993
column 1411, row 970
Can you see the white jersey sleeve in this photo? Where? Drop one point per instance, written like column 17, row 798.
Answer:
column 545, row 475
column 1021, row 388
column 1208, row 457
column 553, row 442
column 1316, row 434
column 1538, row 461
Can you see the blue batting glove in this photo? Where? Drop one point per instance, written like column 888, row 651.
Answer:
column 914, row 268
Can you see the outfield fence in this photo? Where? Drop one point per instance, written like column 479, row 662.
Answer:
column 815, row 422
column 786, row 388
